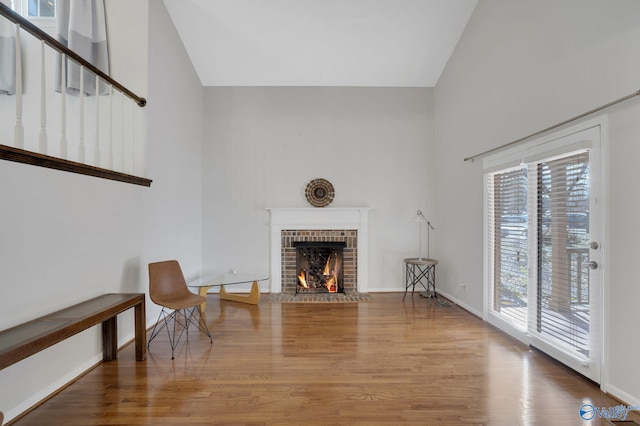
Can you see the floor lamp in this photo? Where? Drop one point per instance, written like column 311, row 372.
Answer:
column 421, row 219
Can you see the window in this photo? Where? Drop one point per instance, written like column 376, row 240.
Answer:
column 41, row 8
column 542, row 216
column 35, row 8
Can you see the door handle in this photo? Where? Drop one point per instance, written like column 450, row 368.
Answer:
column 593, row 264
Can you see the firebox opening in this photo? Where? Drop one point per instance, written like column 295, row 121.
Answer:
column 319, row 266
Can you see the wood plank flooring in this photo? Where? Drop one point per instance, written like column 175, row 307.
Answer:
column 380, row 362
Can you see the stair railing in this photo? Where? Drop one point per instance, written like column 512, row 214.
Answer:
column 116, row 146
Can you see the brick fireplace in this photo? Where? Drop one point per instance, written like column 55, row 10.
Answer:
column 348, row 225
column 289, row 261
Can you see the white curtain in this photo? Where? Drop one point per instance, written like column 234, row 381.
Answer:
column 7, row 55
column 81, row 26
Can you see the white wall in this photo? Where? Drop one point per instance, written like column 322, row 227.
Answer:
column 173, row 206
column 66, row 238
column 263, row 145
column 519, row 67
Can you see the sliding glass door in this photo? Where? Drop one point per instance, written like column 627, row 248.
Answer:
column 543, row 276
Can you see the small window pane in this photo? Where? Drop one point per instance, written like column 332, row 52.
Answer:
column 47, row 8
column 41, row 8
column 33, row 7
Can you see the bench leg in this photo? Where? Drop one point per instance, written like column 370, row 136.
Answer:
column 110, row 335
column 110, row 339
column 252, row 298
column 141, row 331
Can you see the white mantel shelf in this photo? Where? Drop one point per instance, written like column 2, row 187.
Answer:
column 347, row 218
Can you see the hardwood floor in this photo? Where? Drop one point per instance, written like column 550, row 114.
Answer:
column 378, row 362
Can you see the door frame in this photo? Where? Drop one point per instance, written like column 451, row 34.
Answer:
column 557, row 143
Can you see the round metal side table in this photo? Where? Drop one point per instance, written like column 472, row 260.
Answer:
column 420, row 271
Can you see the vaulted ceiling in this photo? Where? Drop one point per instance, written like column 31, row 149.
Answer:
column 373, row 43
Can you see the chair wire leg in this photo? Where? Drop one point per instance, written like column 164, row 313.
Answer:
column 182, row 319
column 187, row 319
column 157, row 330
column 174, row 342
column 202, row 325
column 200, row 322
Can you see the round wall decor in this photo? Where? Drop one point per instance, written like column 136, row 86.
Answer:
column 319, row 192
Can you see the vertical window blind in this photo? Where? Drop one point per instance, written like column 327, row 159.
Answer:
column 539, row 249
column 508, row 239
column 563, row 251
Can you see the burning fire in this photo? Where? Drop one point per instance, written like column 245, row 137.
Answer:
column 302, row 279
column 332, row 281
column 336, row 268
column 329, row 278
column 327, row 266
column 332, row 284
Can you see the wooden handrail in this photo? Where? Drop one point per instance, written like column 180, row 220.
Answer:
column 32, row 29
column 18, row 155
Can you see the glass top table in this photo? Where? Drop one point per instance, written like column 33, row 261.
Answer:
column 253, row 297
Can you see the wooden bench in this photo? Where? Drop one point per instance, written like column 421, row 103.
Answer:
column 26, row 339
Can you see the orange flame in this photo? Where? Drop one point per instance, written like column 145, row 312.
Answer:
column 327, row 267
column 332, row 282
column 302, row 280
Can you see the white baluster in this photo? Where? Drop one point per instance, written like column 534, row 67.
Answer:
column 63, row 107
column 19, row 129
column 81, row 145
column 122, row 130
column 97, row 151
column 43, row 102
column 132, row 144
column 110, row 127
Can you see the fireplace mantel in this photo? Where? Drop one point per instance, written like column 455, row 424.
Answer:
column 320, row 218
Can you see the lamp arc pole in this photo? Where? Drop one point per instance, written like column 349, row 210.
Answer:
column 420, row 218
